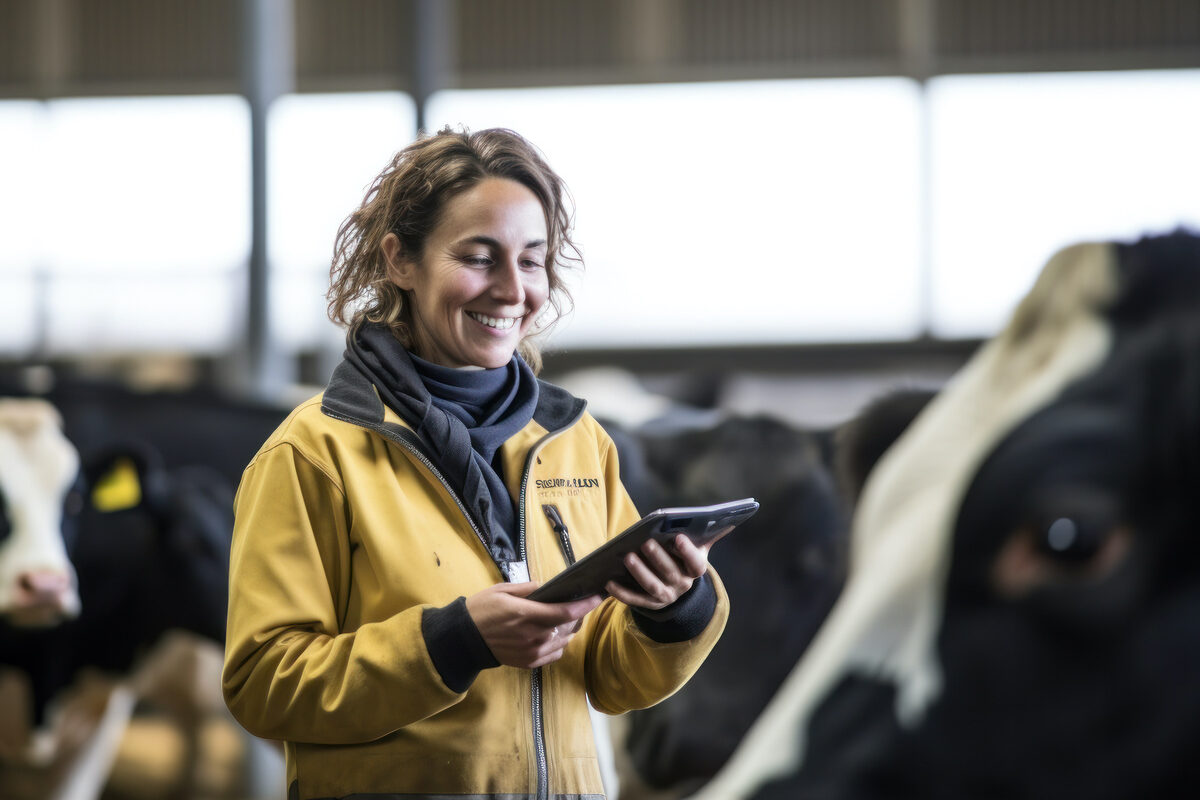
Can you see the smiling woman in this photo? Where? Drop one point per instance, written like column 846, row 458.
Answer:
column 388, row 534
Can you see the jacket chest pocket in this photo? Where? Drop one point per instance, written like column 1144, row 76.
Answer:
column 575, row 527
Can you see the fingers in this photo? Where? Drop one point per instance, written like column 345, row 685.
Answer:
column 543, row 646
column 522, row 632
column 695, row 559
column 576, row 610
column 567, row 618
column 553, row 649
column 552, row 613
column 662, row 576
column 515, row 589
column 687, row 563
column 657, row 578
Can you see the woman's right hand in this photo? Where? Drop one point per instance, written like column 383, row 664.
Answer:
column 525, row 633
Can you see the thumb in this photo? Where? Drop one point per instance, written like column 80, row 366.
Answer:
column 516, row 589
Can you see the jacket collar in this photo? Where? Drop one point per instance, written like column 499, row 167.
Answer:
column 351, row 396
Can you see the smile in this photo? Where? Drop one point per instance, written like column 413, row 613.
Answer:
column 499, row 323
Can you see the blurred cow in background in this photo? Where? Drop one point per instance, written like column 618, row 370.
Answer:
column 783, row 567
column 1022, row 612
column 112, row 622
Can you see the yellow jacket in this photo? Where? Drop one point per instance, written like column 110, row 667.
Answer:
column 345, row 533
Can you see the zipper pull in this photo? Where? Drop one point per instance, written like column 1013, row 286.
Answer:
column 560, row 527
column 551, row 512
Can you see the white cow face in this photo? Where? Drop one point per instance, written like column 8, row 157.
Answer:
column 38, row 467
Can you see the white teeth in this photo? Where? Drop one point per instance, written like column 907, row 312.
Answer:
column 499, row 323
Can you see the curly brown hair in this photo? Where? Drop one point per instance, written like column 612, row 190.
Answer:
column 407, row 199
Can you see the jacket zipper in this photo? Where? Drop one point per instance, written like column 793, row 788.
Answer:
column 535, row 675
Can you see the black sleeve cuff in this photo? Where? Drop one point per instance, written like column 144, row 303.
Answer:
column 683, row 619
column 455, row 645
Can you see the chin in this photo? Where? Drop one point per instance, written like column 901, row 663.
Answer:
column 492, row 357
column 492, row 360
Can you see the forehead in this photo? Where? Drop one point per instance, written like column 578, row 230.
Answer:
column 1135, row 415
column 493, row 207
column 1137, row 404
column 1082, row 448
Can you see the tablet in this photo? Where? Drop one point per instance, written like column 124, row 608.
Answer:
column 588, row 575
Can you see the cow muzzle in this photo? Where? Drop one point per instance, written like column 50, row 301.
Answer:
column 41, row 599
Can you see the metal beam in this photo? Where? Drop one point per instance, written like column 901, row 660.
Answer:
column 431, row 45
column 918, row 46
column 268, row 65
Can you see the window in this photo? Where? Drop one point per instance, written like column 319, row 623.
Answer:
column 1025, row 164
column 729, row 212
column 133, row 221
column 324, row 151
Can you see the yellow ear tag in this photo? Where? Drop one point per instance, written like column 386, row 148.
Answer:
column 118, row 489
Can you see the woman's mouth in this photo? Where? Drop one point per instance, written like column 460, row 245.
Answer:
column 497, row 323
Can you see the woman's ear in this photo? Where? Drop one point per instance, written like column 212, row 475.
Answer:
column 400, row 268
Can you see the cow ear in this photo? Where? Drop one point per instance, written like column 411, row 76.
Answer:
column 118, row 487
column 859, row 443
column 124, row 476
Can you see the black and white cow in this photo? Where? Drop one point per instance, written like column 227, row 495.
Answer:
column 105, row 562
column 1021, row 616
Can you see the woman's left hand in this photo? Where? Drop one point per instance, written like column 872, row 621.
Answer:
column 663, row 576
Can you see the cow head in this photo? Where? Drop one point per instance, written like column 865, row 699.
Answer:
column 1022, row 615
column 39, row 499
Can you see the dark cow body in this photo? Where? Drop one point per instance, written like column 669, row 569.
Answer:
column 1069, row 635
column 794, row 544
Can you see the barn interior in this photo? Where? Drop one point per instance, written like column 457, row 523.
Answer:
column 785, row 208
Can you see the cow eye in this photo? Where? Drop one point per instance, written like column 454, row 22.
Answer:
column 1076, row 543
column 1073, row 540
column 73, row 502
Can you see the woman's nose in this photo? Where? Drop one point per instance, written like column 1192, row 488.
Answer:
column 507, row 284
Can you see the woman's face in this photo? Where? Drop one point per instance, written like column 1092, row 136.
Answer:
column 478, row 287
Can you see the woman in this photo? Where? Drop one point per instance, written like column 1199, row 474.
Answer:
column 387, row 533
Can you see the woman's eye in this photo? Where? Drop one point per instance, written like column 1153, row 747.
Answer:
column 478, row 261
column 530, row 263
